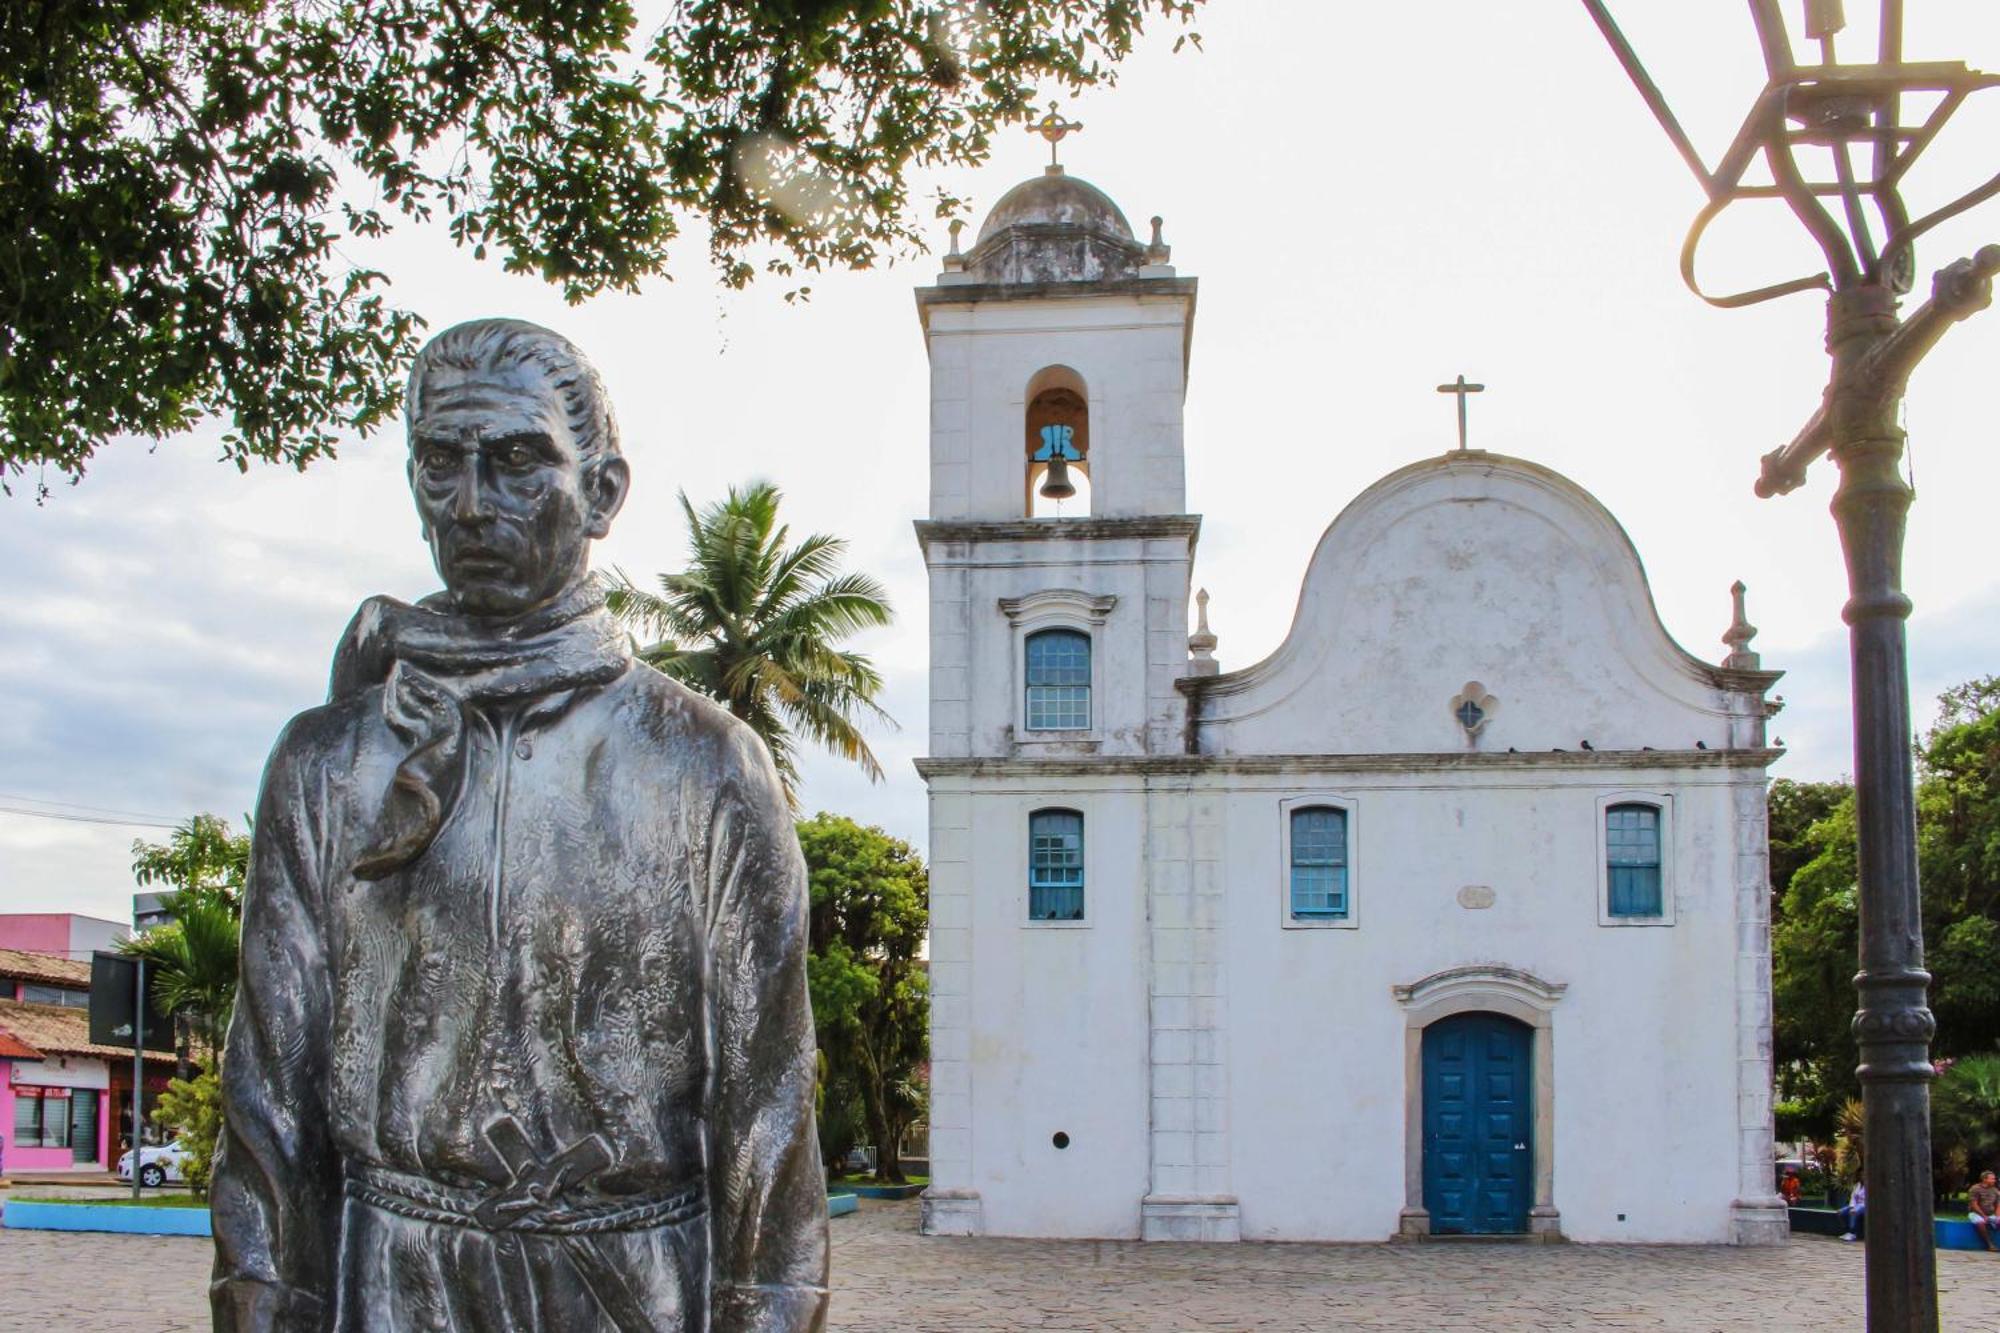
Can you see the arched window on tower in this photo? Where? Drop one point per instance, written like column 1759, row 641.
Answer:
column 1058, row 445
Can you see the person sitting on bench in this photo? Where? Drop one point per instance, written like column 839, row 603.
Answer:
column 1853, row 1211
column 1984, row 1202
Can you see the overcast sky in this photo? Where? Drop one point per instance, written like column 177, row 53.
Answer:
column 1375, row 198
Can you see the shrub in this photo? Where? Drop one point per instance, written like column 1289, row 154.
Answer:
column 191, row 1110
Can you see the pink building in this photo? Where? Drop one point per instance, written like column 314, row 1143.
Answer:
column 64, row 934
column 64, row 1100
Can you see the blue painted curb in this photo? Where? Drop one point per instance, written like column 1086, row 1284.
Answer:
column 886, row 1191
column 106, row 1217
column 1951, row 1235
column 186, row 1221
column 1957, row 1236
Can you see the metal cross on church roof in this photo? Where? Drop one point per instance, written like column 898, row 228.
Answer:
column 1462, row 389
column 1053, row 127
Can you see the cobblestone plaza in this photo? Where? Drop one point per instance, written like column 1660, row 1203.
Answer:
column 888, row 1277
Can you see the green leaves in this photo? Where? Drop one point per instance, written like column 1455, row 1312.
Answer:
column 870, row 995
column 201, row 860
column 190, row 1109
column 1814, row 874
column 195, row 958
column 177, row 177
column 755, row 624
column 195, row 954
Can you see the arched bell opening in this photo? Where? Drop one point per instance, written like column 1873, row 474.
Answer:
column 1057, row 443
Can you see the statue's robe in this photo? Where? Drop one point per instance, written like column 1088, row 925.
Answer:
column 547, row 1064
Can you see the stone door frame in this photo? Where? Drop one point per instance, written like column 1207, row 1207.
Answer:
column 1480, row 988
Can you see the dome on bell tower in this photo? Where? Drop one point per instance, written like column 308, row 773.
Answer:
column 1055, row 228
column 1056, row 199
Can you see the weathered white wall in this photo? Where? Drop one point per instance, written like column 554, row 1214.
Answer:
column 1645, row 1087
column 1474, row 567
column 1131, row 352
column 1308, row 1135
column 977, row 680
column 1069, row 1054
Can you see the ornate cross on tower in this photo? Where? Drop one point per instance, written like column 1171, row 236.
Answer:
column 1053, row 127
column 1461, row 388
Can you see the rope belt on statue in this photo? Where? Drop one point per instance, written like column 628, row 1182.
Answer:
column 524, row 1206
column 538, row 1198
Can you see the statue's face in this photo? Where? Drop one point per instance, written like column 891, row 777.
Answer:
column 508, row 505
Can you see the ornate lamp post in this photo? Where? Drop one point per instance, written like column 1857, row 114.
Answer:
column 1839, row 112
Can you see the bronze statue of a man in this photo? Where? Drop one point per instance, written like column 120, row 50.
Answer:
column 522, row 1040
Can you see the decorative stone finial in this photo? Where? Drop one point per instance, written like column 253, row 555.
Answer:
column 1201, row 643
column 1740, row 632
column 1157, row 250
column 954, row 261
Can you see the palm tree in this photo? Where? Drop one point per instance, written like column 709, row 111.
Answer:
column 194, row 958
column 194, row 955
column 755, row 624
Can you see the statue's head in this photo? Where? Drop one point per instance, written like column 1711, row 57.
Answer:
column 514, row 462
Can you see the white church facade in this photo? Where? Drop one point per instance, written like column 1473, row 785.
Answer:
column 1450, row 916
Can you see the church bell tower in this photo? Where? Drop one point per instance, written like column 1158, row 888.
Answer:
column 1059, row 551
column 1058, row 350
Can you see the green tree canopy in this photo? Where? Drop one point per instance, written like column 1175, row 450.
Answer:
column 1813, row 951
column 200, row 859
column 1793, row 808
column 1814, row 934
column 179, row 178
column 1965, row 1121
column 870, row 992
column 755, row 624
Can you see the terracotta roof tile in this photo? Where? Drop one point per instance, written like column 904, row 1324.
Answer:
column 44, row 967
column 58, row 1030
column 12, row 1048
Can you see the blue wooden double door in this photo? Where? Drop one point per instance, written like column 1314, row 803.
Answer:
column 1479, row 1119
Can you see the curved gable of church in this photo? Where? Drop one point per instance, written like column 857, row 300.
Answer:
column 1483, row 570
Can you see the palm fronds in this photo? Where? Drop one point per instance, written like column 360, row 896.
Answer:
column 756, row 625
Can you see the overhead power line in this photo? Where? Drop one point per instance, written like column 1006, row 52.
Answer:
column 82, row 808
column 69, row 818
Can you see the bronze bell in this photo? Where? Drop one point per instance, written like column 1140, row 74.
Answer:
column 1056, row 485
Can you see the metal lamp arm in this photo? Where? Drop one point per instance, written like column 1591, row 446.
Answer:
column 1958, row 290
column 1833, row 243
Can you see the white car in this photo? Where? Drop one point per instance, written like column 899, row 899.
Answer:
column 158, row 1165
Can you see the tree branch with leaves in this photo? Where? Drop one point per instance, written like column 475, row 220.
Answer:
column 182, row 182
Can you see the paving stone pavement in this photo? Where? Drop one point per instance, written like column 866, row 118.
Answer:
column 888, row 1277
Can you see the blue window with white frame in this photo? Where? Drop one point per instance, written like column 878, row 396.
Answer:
column 1055, row 866
column 1319, row 863
column 1058, row 680
column 1632, row 860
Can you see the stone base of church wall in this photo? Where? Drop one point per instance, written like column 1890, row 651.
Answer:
column 1759, row 1222
column 1544, row 1225
column 1197, row 1217
column 953, row 1213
